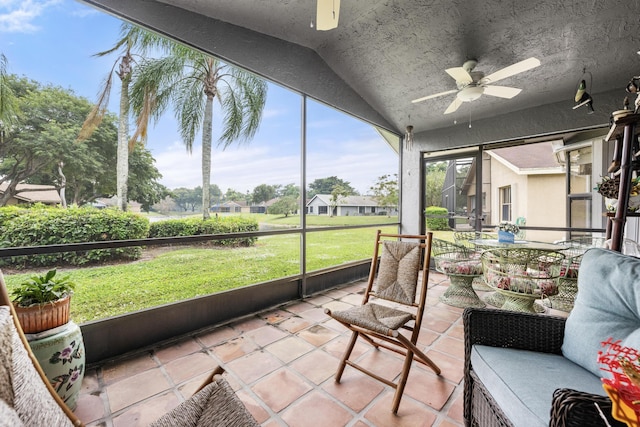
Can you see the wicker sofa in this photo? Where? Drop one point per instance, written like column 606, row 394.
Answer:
column 535, row 370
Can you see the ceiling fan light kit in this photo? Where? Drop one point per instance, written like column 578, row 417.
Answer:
column 473, row 84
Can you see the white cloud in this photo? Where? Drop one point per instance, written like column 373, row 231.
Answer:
column 17, row 16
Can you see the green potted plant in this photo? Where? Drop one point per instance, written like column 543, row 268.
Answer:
column 42, row 302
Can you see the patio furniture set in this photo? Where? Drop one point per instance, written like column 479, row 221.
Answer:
column 515, row 274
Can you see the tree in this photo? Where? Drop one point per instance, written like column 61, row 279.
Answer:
column 143, row 179
column 290, row 190
column 42, row 140
column 385, row 192
column 187, row 198
column 284, row 206
column 132, row 38
column 234, row 196
column 338, row 193
column 191, row 80
column 7, row 100
column 327, row 185
column 263, row 193
column 434, row 181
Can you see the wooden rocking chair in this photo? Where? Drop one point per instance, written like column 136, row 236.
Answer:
column 392, row 305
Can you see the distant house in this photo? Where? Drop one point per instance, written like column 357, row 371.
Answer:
column 320, row 204
column 242, row 207
column 104, row 202
column 33, row 193
column 522, row 182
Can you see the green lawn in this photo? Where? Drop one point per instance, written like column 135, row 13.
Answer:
column 167, row 275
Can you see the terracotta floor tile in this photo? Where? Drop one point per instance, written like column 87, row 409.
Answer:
column 318, row 300
column 120, row 369
column 90, row 381
column 337, row 305
column 316, row 410
column 353, row 299
column 136, row 388
column 282, row 363
column 234, row 349
column 316, row 366
column 217, row 336
column 382, row 363
column 410, row 414
column 318, row 335
column 248, row 324
column 294, row 324
column 314, row 315
column 299, row 307
column 280, row 388
column 146, row 412
column 452, row 346
column 355, row 389
column 429, row 388
column 289, row 349
column 265, row 335
column 456, row 409
column 254, row 366
column 258, row 412
column 275, row 316
column 90, row 407
column 452, row 368
column 179, row 349
column 189, row 366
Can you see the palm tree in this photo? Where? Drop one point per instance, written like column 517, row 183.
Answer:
column 191, row 80
column 132, row 39
column 7, row 100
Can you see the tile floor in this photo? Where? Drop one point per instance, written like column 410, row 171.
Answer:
column 281, row 364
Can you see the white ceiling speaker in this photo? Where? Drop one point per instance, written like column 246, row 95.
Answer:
column 471, row 84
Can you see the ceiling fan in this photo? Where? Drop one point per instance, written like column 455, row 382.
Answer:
column 472, row 84
column 327, row 14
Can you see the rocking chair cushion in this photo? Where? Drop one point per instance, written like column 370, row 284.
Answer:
column 375, row 317
column 8, row 416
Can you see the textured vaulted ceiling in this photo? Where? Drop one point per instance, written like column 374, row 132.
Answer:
column 390, row 52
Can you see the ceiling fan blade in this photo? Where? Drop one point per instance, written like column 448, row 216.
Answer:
column 518, row 67
column 460, row 75
column 435, row 95
column 457, row 102
column 501, row 91
column 327, row 15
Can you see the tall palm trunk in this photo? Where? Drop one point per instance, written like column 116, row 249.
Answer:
column 122, row 156
column 207, row 125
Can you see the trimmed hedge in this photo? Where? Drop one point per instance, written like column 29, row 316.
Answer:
column 437, row 218
column 197, row 226
column 41, row 225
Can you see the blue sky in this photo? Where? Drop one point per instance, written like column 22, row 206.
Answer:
column 53, row 42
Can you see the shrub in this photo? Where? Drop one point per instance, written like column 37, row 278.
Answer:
column 197, row 226
column 53, row 226
column 437, row 218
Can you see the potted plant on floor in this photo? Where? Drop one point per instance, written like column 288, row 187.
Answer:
column 42, row 305
column 42, row 302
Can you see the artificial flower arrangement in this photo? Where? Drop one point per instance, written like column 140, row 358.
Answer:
column 508, row 227
column 464, row 267
column 624, row 385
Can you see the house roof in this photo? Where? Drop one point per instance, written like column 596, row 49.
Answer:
column 346, row 201
column 530, row 157
column 34, row 193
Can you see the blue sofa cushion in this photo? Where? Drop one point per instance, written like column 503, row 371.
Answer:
column 607, row 305
column 522, row 382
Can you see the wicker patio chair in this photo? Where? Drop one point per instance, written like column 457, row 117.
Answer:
column 462, row 266
column 391, row 306
column 465, row 238
column 526, row 331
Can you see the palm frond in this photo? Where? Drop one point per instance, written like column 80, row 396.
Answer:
column 95, row 116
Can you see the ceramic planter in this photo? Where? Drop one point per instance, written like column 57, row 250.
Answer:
column 38, row 318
